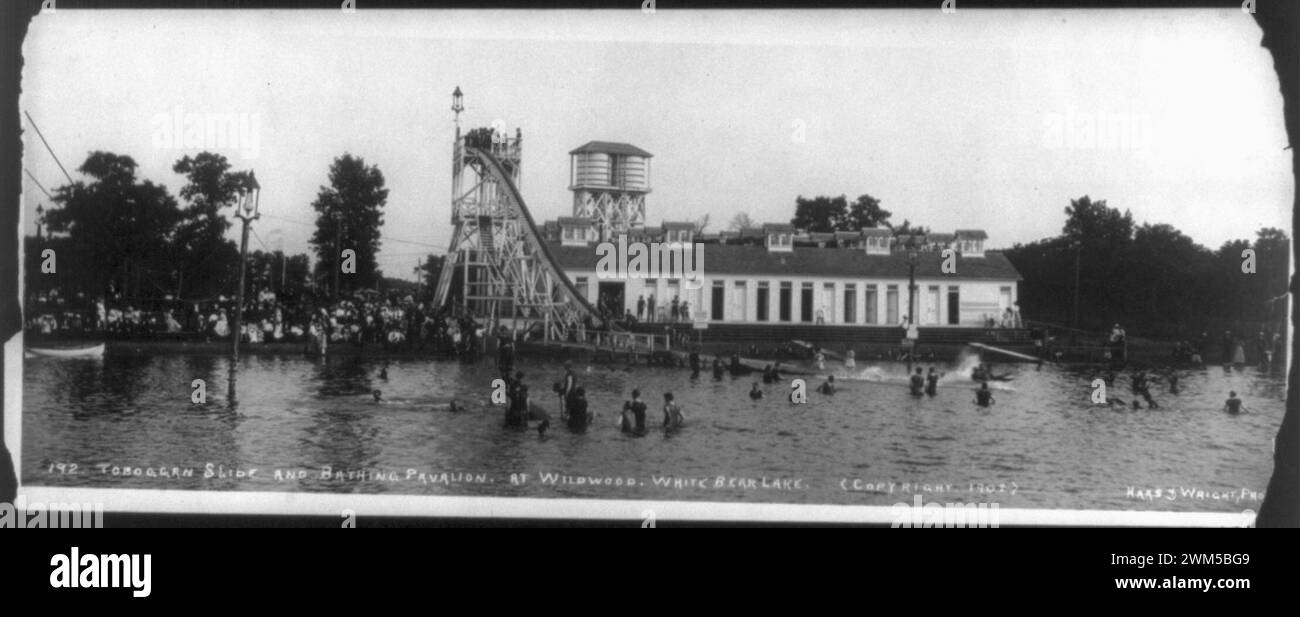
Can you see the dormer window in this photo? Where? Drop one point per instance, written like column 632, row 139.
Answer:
column 970, row 242
column 576, row 232
column 780, row 242
column 877, row 243
column 779, row 237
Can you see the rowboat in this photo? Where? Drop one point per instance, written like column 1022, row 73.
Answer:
column 79, row 351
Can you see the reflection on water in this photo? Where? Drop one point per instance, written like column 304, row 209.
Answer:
column 129, row 422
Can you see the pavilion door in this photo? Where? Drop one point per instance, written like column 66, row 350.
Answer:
column 739, row 307
column 828, row 302
column 932, row 305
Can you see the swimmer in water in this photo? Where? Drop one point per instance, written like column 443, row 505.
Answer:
column 828, row 387
column 379, row 397
column 673, row 418
column 1233, row 404
column 579, row 415
column 984, row 396
column 755, row 393
column 932, row 382
column 918, row 383
column 634, row 414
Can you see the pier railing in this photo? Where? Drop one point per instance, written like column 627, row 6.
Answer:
column 626, row 341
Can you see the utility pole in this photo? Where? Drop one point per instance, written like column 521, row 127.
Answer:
column 246, row 210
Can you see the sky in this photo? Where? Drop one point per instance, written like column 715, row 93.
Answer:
column 992, row 120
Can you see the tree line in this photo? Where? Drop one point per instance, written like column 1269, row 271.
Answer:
column 116, row 234
column 1151, row 278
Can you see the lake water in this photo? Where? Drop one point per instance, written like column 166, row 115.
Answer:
column 129, row 422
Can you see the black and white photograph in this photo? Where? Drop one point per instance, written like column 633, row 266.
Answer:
column 942, row 267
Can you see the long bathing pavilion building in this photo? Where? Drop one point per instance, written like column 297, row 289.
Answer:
column 775, row 275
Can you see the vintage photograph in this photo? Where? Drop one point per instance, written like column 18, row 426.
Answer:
column 1023, row 263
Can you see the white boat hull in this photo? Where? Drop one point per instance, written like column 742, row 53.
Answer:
column 90, row 351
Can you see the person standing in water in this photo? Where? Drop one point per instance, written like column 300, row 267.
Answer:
column 850, row 360
column 827, row 387
column 984, row 396
column 673, row 418
column 1233, row 404
column 568, row 386
column 634, row 414
column 755, row 393
column 517, row 411
column 718, row 369
column 932, row 382
column 695, row 363
column 506, row 357
column 579, row 416
column 917, row 383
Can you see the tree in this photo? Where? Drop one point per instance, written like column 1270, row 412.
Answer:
column 741, row 221
column 349, row 213
column 866, row 212
column 119, row 230
column 1094, row 222
column 906, row 229
column 205, row 262
column 821, row 213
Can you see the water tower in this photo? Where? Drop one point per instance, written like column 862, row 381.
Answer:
column 609, row 181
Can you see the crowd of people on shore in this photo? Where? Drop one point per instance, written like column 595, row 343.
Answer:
column 360, row 319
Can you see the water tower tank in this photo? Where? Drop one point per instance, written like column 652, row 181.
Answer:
column 592, row 169
column 631, row 172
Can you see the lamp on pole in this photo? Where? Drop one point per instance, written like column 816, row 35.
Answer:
column 912, row 258
column 246, row 208
column 457, row 106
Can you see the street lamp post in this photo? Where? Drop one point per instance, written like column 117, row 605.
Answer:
column 912, row 258
column 246, row 208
